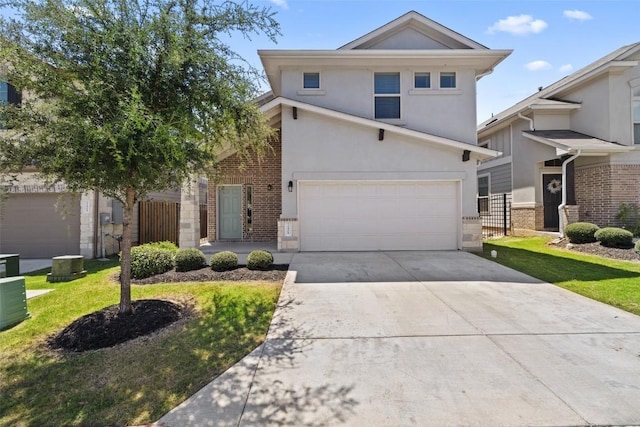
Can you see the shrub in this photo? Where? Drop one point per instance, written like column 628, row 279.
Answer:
column 166, row 245
column 259, row 260
column 629, row 215
column 190, row 259
column 224, row 261
column 148, row 260
column 637, row 247
column 614, row 237
column 581, row 232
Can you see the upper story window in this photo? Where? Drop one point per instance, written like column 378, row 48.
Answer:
column 636, row 115
column 311, row 80
column 422, row 80
column 447, row 80
column 387, row 95
column 9, row 94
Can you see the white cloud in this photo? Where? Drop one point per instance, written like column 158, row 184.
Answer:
column 538, row 65
column 577, row 15
column 282, row 3
column 518, row 25
column 566, row 68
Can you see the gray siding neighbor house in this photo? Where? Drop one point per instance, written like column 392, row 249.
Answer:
column 570, row 151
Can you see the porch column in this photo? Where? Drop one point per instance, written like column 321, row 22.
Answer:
column 190, row 214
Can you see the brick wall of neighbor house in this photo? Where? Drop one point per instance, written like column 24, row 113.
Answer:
column 267, row 204
column 600, row 190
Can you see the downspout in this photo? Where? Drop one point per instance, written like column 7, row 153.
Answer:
column 528, row 119
column 564, row 191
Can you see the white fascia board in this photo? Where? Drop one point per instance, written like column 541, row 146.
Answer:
column 609, row 67
column 562, row 149
column 480, row 152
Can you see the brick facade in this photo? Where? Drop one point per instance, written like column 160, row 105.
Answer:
column 527, row 218
column 600, row 190
column 264, row 177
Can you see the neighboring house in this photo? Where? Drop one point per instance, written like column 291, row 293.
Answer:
column 570, row 147
column 376, row 148
column 40, row 221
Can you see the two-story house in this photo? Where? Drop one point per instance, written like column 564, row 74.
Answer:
column 376, row 149
column 569, row 150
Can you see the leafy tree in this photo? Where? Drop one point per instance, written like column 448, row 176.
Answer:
column 128, row 96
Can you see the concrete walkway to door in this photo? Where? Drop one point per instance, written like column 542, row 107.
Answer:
column 427, row 338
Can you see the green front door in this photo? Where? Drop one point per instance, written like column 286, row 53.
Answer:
column 229, row 212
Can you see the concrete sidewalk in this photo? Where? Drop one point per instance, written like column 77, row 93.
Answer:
column 506, row 350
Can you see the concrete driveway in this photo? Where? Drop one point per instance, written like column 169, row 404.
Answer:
column 427, row 338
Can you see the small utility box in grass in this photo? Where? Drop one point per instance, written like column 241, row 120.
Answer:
column 13, row 301
column 66, row 268
column 9, row 265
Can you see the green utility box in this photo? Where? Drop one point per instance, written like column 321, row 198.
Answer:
column 13, row 301
column 9, row 265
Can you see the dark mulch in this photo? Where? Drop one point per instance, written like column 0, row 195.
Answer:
column 623, row 254
column 276, row 272
column 106, row 328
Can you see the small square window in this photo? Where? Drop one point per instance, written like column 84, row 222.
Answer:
column 422, row 80
column 447, row 80
column 311, row 81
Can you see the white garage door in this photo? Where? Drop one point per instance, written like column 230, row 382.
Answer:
column 378, row 215
column 31, row 226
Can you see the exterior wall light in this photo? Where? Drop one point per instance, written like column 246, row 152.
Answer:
column 269, row 187
column 290, row 186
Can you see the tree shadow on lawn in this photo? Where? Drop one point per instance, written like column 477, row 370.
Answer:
column 555, row 268
column 138, row 381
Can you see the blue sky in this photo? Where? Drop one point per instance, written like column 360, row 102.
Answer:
column 550, row 39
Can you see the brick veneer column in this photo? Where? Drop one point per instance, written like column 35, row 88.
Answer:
column 472, row 234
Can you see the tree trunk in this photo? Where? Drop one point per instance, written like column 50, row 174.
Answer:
column 125, row 260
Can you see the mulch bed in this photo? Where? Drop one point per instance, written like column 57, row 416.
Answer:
column 276, row 273
column 623, row 254
column 106, row 327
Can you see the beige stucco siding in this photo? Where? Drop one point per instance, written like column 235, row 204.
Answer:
column 450, row 113
column 315, row 147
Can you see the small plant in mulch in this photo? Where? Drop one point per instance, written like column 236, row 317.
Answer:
column 614, row 237
column 259, row 260
column 224, row 261
column 107, row 327
column 190, row 259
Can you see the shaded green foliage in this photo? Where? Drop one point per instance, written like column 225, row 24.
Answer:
column 259, row 260
column 614, row 237
column 629, row 215
column 581, row 232
column 149, row 259
column 190, row 259
column 223, row 261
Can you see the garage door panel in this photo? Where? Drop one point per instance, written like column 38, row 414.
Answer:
column 31, row 226
column 379, row 215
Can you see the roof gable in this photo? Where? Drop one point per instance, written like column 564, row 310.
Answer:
column 619, row 59
column 413, row 31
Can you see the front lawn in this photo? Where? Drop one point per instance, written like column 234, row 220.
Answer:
column 610, row 281
column 135, row 382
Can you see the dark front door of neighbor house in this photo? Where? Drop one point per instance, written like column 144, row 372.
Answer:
column 229, row 212
column 551, row 199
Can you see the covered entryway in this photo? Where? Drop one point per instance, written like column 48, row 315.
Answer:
column 378, row 215
column 30, row 225
column 230, row 212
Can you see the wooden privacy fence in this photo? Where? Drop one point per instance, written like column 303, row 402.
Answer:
column 203, row 221
column 158, row 221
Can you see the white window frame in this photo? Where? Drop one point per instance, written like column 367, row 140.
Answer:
column 486, row 212
column 455, row 78
column 311, row 91
column 430, row 80
column 387, row 95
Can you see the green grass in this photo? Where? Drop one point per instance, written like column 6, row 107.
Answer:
column 610, row 281
column 134, row 383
